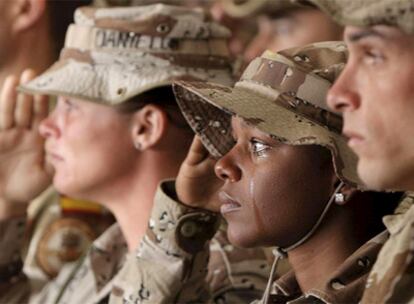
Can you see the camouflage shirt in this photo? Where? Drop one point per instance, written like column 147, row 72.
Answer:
column 392, row 277
column 172, row 265
column 60, row 230
column 345, row 285
column 168, row 267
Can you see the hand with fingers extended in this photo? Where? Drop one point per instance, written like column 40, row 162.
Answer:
column 197, row 185
column 23, row 170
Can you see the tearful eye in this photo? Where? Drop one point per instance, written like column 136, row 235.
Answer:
column 258, row 148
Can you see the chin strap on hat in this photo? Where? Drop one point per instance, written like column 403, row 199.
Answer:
column 281, row 253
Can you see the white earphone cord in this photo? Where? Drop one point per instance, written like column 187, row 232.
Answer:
column 281, row 253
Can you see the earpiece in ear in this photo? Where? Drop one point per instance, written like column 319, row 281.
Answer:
column 339, row 198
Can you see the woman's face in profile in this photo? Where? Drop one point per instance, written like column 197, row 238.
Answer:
column 273, row 193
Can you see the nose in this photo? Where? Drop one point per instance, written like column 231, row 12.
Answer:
column 48, row 127
column 343, row 96
column 227, row 168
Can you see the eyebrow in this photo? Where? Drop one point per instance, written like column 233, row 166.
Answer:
column 369, row 33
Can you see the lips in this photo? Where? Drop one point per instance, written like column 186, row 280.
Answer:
column 50, row 156
column 354, row 139
column 228, row 204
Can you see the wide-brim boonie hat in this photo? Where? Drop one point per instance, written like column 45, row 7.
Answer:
column 365, row 13
column 282, row 94
column 113, row 54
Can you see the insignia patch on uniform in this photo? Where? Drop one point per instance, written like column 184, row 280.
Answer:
column 65, row 240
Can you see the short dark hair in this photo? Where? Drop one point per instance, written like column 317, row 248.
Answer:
column 60, row 16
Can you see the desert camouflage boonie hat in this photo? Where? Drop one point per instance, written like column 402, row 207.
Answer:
column 282, row 94
column 113, row 54
column 245, row 8
column 364, row 13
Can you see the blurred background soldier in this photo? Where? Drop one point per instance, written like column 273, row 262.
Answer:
column 61, row 227
column 282, row 24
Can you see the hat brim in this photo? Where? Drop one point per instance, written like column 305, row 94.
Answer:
column 214, row 104
column 112, row 80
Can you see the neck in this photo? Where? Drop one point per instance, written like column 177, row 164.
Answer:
column 131, row 200
column 333, row 242
column 32, row 49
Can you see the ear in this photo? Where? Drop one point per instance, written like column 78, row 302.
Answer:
column 27, row 13
column 149, row 126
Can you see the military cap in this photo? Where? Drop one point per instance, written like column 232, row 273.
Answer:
column 113, row 54
column 282, row 94
column 398, row 13
column 245, row 8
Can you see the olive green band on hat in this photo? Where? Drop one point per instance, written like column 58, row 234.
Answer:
column 99, row 39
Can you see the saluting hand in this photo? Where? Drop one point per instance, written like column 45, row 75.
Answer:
column 196, row 184
column 23, row 171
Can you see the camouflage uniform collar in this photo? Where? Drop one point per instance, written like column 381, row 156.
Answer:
column 344, row 286
column 402, row 215
column 107, row 255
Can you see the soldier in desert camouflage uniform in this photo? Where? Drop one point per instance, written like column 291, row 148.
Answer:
column 278, row 107
column 116, row 116
column 375, row 95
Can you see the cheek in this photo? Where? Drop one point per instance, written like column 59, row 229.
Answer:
column 387, row 117
column 91, row 149
column 281, row 204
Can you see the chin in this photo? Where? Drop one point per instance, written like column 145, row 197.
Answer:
column 238, row 237
column 380, row 176
column 65, row 187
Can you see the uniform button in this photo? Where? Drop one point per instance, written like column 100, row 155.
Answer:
column 188, row 229
column 163, row 28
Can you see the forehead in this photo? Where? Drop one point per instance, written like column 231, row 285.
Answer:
column 239, row 125
column 85, row 104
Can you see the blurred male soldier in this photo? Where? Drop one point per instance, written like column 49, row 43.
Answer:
column 375, row 95
column 283, row 24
